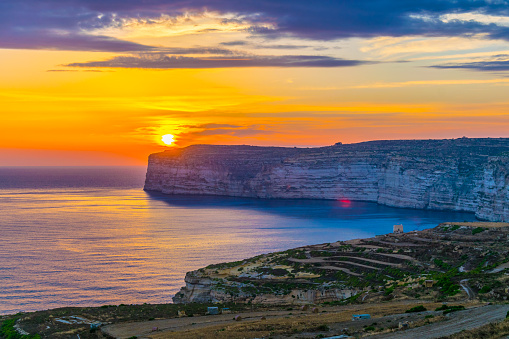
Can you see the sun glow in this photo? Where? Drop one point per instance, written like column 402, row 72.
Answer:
column 168, row 139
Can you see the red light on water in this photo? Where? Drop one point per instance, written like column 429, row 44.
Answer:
column 345, row 202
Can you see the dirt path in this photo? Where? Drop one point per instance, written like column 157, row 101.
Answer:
column 459, row 321
column 500, row 268
column 466, row 288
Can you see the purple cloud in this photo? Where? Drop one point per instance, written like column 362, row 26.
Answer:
column 65, row 24
column 176, row 62
column 500, row 63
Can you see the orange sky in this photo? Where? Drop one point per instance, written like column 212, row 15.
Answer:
column 59, row 109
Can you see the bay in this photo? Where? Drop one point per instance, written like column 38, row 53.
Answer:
column 92, row 236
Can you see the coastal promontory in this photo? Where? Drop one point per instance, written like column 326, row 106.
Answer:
column 463, row 174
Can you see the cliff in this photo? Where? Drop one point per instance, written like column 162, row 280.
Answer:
column 461, row 174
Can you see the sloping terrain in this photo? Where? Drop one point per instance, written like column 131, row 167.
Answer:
column 465, row 260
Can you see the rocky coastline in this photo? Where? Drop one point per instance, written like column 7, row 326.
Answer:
column 463, row 174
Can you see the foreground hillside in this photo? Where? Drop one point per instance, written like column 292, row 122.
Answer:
column 461, row 174
column 436, row 264
column 451, row 281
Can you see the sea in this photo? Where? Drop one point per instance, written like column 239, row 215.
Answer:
column 91, row 236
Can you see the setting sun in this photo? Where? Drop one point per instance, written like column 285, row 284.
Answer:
column 168, row 139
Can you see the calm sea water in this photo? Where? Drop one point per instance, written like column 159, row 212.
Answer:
column 92, row 236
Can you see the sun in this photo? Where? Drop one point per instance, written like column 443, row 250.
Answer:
column 168, row 139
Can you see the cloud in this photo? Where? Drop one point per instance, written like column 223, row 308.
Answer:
column 234, row 43
column 69, row 24
column 194, row 133
column 244, row 132
column 68, row 42
column 433, row 83
column 195, row 50
column 211, row 125
column 497, row 64
column 159, row 61
column 336, row 19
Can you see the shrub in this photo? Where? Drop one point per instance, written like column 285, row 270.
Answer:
column 419, row 308
column 485, row 289
column 323, row 328
column 389, row 290
column 442, row 308
column 477, row 230
column 454, row 309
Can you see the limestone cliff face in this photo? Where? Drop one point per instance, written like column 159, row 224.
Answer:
column 202, row 289
column 461, row 174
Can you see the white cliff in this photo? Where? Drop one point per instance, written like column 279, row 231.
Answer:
column 462, row 174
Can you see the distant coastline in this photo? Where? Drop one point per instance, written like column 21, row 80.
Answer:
column 457, row 174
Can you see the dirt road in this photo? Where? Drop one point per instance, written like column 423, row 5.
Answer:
column 341, row 313
column 459, row 321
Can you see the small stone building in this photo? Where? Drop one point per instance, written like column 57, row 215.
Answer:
column 397, row 229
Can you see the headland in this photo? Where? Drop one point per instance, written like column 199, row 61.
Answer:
column 454, row 174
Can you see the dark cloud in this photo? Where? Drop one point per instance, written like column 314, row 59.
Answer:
column 68, row 42
column 196, row 131
column 281, row 46
column 196, row 50
column 234, row 43
column 331, row 19
column 245, row 132
column 174, row 62
column 261, row 46
column 63, row 24
column 211, row 125
column 499, row 64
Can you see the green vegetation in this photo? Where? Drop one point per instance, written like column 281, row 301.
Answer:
column 226, row 265
column 485, row 289
column 8, row 331
column 454, row 309
column 447, row 286
column 448, row 309
column 389, row 290
column 419, row 308
column 323, row 328
column 477, row 230
column 440, row 263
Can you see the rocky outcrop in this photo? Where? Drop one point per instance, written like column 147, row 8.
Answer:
column 202, row 289
column 462, row 174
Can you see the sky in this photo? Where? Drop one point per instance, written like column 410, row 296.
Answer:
column 89, row 82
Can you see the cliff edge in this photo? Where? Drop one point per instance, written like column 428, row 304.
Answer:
column 463, row 174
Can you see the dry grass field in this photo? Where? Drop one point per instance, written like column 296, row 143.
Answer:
column 291, row 322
